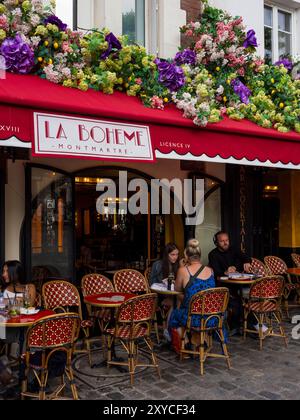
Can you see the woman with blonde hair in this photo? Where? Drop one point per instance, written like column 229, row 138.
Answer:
column 194, row 277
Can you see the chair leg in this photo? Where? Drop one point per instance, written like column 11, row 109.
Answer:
column 224, row 348
column 246, row 314
column 131, row 362
column 261, row 334
column 70, row 375
column 153, row 356
column 156, row 329
column 42, row 391
column 109, row 346
column 88, row 348
column 202, row 353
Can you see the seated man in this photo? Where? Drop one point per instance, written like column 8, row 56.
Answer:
column 224, row 260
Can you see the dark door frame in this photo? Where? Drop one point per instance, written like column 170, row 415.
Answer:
column 3, row 174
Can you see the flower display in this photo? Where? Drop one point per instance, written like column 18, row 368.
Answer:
column 218, row 74
column 251, row 40
column 19, row 57
column 170, row 75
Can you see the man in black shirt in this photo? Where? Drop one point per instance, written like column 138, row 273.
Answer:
column 224, row 259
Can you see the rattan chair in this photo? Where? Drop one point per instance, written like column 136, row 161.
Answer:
column 45, row 338
column 259, row 268
column 265, row 305
column 94, row 284
column 133, row 325
column 132, row 281
column 210, row 307
column 62, row 296
column 296, row 260
column 278, row 267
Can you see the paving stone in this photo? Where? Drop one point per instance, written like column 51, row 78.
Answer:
column 116, row 396
column 270, row 395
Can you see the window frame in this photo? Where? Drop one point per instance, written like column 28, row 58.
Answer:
column 275, row 29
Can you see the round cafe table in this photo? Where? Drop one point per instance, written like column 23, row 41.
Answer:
column 294, row 271
column 165, row 292
column 23, row 321
column 108, row 300
column 238, row 281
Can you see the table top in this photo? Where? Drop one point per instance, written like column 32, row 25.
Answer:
column 295, row 271
column 243, row 281
column 25, row 320
column 165, row 291
column 108, row 300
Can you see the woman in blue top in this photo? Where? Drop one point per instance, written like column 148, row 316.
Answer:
column 191, row 279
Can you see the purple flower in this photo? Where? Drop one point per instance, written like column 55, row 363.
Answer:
column 170, row 75
column 251, row 40
column 54, row 20
column 19, row 57
column 113, row 43
column 241, row 90
column 286, row 62
column 185, row 57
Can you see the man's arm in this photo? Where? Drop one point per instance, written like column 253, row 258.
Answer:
column 215, row 265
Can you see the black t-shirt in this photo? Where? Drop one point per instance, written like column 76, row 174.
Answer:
column 220, row 261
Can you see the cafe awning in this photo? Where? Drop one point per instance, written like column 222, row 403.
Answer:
column 61, row 122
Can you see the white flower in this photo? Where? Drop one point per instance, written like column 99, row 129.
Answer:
column 220, row 90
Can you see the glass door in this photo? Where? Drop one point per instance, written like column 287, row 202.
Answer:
column 50, row 222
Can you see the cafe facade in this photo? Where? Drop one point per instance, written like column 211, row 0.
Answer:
column 58, row 144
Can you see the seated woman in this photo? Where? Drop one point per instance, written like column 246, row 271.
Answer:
column 191, row 279
column 13, row 284
column 168, row 264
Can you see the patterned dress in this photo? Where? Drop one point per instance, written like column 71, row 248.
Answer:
column 179, row 316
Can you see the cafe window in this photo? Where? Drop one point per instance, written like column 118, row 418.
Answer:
column 51, row 221
column 133, row 20
column 278, row 25
column 66, row 10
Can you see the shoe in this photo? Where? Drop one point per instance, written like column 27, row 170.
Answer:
column 264, row 328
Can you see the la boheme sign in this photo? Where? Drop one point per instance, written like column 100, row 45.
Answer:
column 76, row 137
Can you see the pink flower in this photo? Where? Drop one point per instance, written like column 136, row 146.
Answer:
column 139, row 81
column 241, row 71
column 66, row 47
column 157, row 102
column 3, row 22
column 223, row 110
column 189, row 32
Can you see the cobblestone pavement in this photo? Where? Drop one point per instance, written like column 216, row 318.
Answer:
column 273, row 374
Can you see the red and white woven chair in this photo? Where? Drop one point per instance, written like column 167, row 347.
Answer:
column 94, row 284
column 133, row 325
column 210, row 305
column 296, row 260
column 45, row 338
column 259, row 268
column 265, row 305
column 63, row 296
column 278, row 267
column 132, row 281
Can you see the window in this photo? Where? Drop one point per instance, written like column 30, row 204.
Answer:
column 278, row 33
column 66, row 10
column 133, row 20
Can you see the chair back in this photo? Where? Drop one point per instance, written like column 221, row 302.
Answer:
column 53, row 332
column 210, row 302
column 296, row 260
column 267, row 288
column 60, row 294
column 147, row 275
column 130, row 281
column 276, row 265
column 94, row 284
column 259, row 268
column 138, row 309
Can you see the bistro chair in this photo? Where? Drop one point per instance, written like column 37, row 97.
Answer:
column 62, row 296
column 210, row 307
column 44, row 339
column 133, row 325
column 278, row 267
column 94, row 284
column 258, row 268
column 132, row 281
column 296, row 260
column 147, row 275
column 265, row 305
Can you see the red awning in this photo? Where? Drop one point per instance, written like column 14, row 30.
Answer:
column 172, row 136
